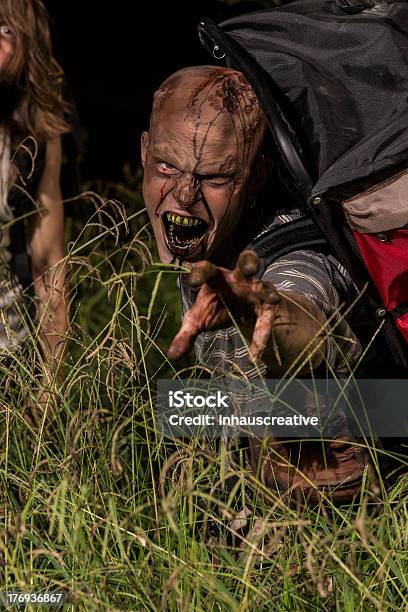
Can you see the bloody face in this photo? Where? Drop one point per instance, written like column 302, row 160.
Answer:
column 197, row 160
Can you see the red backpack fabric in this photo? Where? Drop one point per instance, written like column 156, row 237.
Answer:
column 378, row 218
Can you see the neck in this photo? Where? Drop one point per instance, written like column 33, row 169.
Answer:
column 228, row 255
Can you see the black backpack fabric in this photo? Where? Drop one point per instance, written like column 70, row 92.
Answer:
column 343, row 80
column 332, row 79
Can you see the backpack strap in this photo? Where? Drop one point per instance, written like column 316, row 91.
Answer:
column 280, row 240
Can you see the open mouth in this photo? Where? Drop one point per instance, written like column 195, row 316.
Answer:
column 183, row 234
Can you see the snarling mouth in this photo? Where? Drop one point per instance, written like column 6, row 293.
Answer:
column 183, row 234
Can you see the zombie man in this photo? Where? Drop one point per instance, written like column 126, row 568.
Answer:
column 204, row 165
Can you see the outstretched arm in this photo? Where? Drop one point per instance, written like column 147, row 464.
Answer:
column 278, row 327
column 47, row 254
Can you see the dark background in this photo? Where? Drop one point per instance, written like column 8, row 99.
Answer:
column 115, row 55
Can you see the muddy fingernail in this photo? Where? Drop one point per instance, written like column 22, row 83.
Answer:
column 249, row 264
column 195, row 279
column 173, row 353
column 272, row 298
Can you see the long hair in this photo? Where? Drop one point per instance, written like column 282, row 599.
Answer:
column 32, row 73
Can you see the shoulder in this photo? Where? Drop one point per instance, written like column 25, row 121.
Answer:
column 280, row 217
column 304, row 269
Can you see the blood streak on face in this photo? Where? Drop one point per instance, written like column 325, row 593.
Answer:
column 197, row 158
column 162, row 192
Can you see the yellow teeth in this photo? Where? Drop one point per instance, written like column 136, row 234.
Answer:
column 183, row 232
column 185, row 221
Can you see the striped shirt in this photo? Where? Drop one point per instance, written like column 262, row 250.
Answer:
column 319, row 278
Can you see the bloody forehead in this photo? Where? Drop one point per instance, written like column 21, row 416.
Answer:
column 209, row 95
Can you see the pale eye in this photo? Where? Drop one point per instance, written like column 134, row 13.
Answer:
column 6, row 31
column 167, row 168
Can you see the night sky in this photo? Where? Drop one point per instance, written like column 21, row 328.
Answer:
column 114, row 58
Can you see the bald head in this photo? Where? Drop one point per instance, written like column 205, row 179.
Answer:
column 206, row 96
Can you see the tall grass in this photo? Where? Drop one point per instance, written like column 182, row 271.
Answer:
column 93, row 501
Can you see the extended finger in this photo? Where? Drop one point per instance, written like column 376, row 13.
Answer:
column 262, row 332
column 203, row 272
column 184, row 340
column 248, row 263
column 266, row 292
column 181, row 345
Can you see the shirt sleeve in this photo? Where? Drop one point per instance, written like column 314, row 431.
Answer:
column 323, row 281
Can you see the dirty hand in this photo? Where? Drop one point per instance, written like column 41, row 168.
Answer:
column 228, row 297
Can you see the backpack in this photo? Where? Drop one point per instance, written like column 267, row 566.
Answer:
column 332, row 79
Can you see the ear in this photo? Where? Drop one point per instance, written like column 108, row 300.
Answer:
column 144, row 145
column 261, row 171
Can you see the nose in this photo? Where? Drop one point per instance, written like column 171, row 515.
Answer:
column 187, row 190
